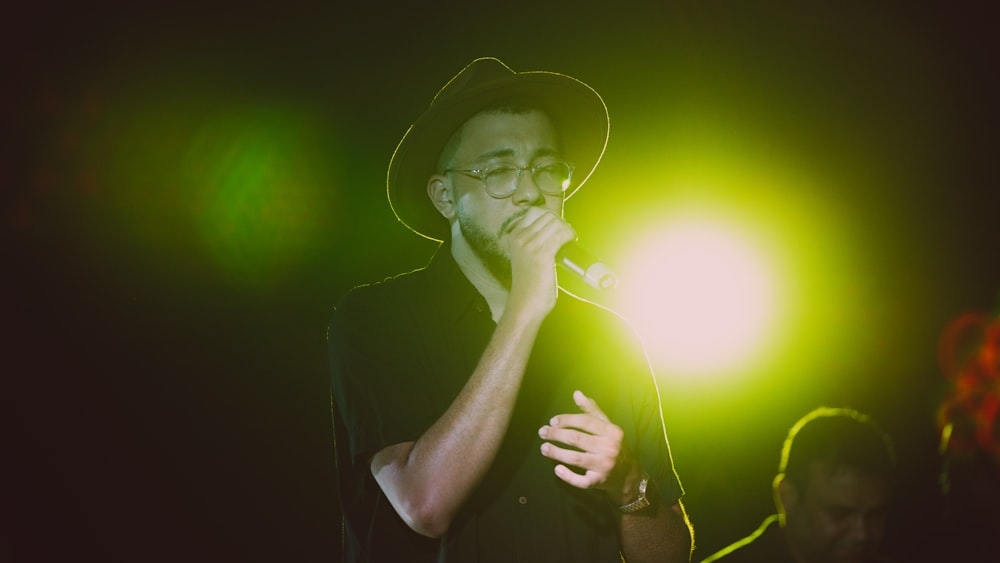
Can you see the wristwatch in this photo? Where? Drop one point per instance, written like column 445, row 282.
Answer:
column 639, row 503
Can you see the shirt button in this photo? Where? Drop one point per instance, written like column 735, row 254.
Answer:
column 522, row 500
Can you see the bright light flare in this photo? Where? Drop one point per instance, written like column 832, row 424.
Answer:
column 703, row 295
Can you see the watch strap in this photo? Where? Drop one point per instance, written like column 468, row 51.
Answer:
column 641, row 502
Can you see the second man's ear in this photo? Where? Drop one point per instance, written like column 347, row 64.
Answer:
column 440, row 193
column 786, row 494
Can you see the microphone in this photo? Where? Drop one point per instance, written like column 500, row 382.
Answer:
column 591, row 270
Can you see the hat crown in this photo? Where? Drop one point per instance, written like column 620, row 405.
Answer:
column 482, row 73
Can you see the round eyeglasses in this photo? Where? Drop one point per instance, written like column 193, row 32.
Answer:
column 552, row 178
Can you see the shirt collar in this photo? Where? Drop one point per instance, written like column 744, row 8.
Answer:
column 454, row 296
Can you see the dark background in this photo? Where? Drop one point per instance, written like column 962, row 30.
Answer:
column 156, row 410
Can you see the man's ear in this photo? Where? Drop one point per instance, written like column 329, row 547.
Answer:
column 786, row 495
column 439, row 190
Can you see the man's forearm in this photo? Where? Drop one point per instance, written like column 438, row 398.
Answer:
column 428, row 481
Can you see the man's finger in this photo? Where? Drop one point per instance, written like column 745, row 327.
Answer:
column 589, row 406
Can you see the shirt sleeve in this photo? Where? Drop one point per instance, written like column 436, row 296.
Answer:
column 642, row 412
column 612, row 367
column 376, row 384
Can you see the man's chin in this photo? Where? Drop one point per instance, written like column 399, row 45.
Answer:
column 490, row 257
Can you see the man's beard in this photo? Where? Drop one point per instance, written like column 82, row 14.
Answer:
column 486, row 249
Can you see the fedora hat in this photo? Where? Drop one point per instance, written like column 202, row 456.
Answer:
column 578, row 112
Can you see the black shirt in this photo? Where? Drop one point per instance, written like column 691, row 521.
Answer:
column 401, row 351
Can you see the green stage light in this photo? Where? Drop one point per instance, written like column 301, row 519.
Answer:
column 744, row 262
column 705, row 293
column 733, row 282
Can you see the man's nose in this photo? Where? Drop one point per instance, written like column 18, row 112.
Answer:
column 526, row 190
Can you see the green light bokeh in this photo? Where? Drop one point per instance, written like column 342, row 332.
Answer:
column 260, row 178
column 197, row 188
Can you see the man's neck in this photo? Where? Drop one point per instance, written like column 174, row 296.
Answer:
column 793, row 551
column 494, row 292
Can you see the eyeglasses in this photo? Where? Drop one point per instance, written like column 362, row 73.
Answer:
column 552, row 178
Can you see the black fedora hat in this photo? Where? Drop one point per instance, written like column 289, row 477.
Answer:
column 578, row 112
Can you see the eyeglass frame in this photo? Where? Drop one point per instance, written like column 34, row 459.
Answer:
column 482, row 173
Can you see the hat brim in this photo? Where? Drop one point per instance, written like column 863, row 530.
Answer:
column 577, row 111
